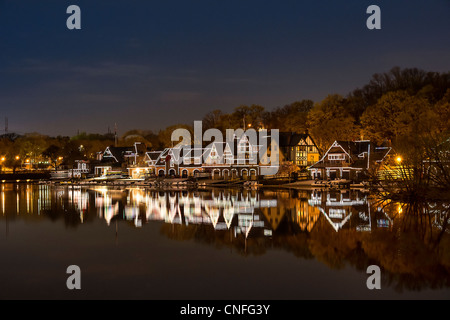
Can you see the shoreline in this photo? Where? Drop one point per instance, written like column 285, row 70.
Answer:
column 183, row 183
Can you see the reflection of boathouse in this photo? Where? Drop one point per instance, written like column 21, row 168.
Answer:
column 224, row 210
column 348, row 209
column 292, row 209
column 241, row 212
column 339, row 207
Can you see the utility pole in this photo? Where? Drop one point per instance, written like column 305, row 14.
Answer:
column 115, row 134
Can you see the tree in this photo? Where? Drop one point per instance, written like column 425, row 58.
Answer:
column 400, row 117
column 131, row 137
column 31, row 146
column 329, row 120
column 165, row 136
column 245, row 116
column 10, row 152
column 442, row 111
column 411, row 80
column 291, row 118
column 213, row 120
column 297, row 116
column 288, row 168
column 53, row 152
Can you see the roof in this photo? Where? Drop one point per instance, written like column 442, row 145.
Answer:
column 117, row 154
column 153, row 155
column 360, row 153
column 356, row 147
column 291, row 139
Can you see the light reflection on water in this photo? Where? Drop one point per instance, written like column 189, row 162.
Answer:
column 340, row 228
column 247, row 212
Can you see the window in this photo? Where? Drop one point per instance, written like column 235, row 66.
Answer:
column 301, row 156
column 336, row 157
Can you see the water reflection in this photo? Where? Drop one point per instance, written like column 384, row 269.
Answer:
column 409, row 241
column 243, row 211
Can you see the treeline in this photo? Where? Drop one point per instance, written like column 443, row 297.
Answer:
column 399, row 104
column 399, row 107
column 37, row 151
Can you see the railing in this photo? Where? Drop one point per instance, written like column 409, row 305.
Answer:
column 336, row 163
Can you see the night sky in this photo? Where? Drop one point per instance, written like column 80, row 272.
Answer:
column 149, row 64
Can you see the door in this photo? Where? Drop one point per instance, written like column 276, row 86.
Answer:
column 333, row 175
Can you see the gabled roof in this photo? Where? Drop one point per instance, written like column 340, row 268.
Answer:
column 359, row 152
column 356, row 147
column 219, row 147
column 190, row 152
column 292, row 139
column 171, row 152
column 153, row 155
column 118, row 153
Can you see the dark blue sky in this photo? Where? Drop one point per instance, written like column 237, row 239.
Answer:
column 149, row 64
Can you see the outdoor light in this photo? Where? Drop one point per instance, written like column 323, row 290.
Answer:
column 3, row 159
column 60, row 158
column 17, row 157
column 399, row 159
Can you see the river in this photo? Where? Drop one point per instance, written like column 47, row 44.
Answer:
column 268, row 244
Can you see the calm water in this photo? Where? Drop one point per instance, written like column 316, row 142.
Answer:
column 135, row 243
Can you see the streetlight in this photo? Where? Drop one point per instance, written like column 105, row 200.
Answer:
column 17, row 157
column 399, row 159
